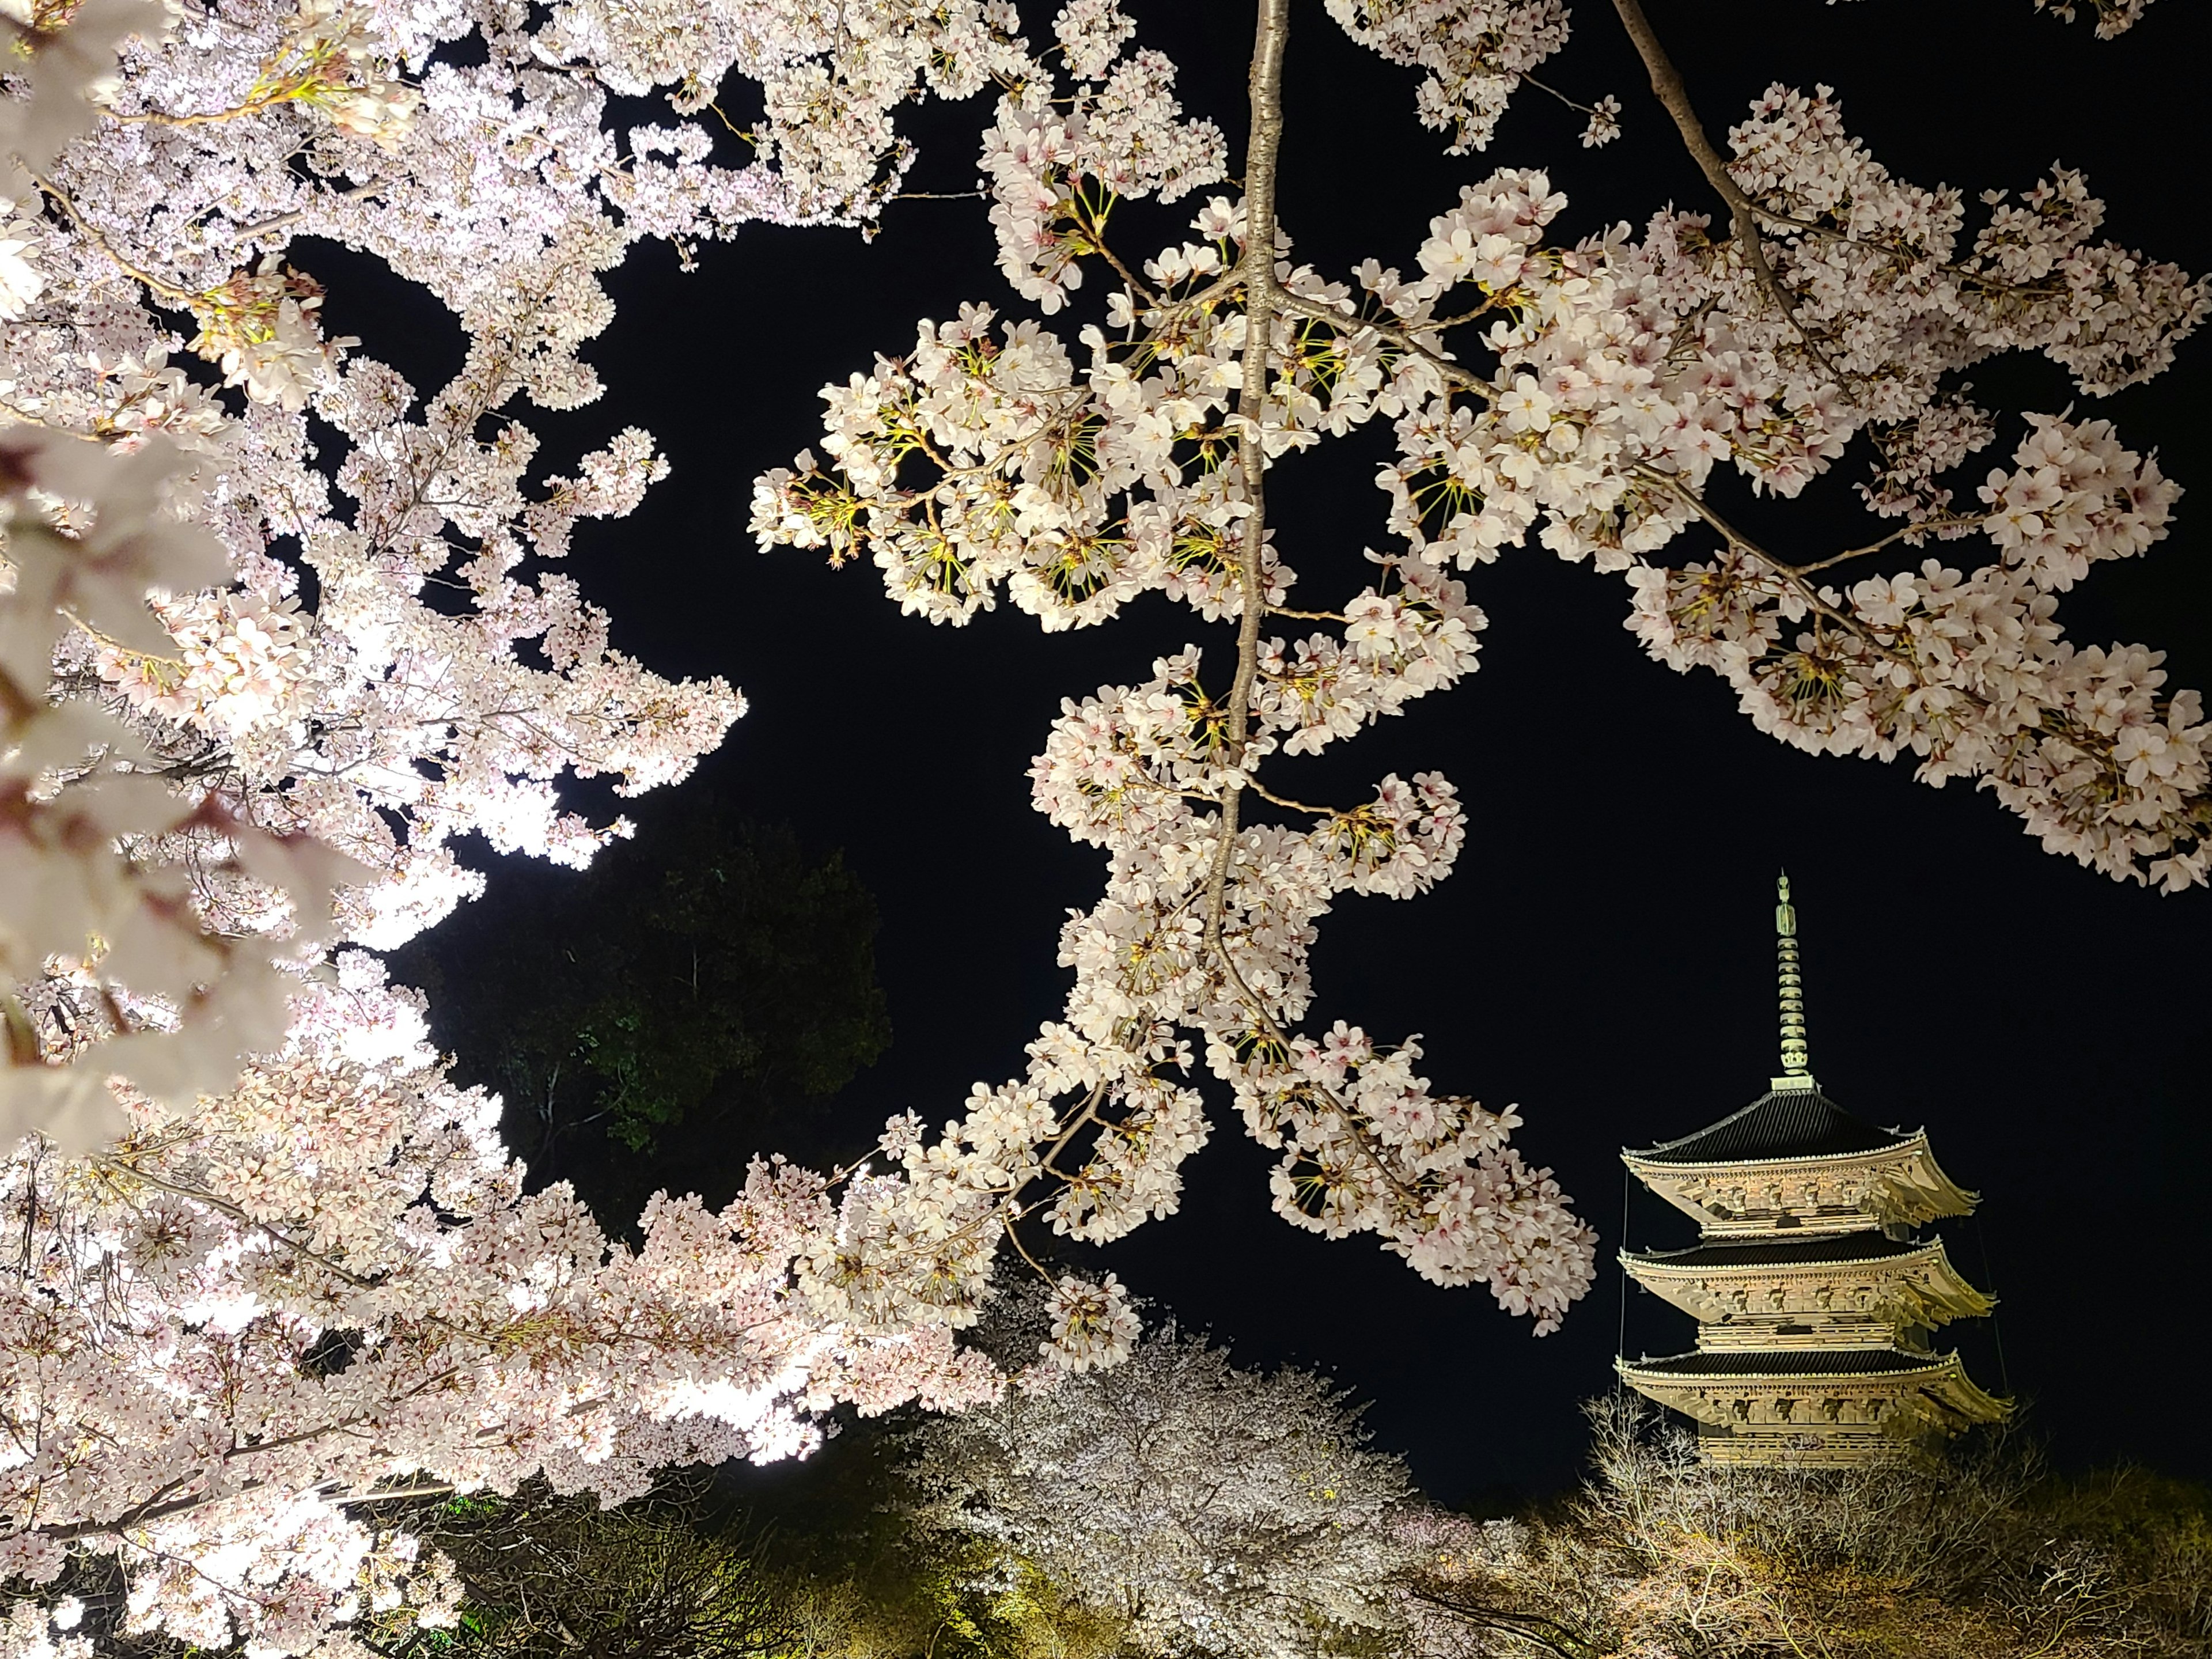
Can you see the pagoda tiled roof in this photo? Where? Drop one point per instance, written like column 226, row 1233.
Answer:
column 1792, row 1362
column 1868, row 1246
column 1780, row 1123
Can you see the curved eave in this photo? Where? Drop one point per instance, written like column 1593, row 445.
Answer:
column 1759, row 1371
column 1932, row 1194
column 1663, row 1267
column 1924, row 1194
column 1640, row 1162
column 1971, row 1402
column 1938, row 1391
column 1950, row 1293
column 1943, row 1293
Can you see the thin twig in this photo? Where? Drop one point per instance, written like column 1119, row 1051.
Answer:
column 1466, row 379
column 1269, row 795
column 1553, row 92
column 1925, row 526
column 1230, row 280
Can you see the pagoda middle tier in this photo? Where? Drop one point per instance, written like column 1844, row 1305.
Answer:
column 1858, row 1290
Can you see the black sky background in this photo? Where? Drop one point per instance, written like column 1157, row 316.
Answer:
column 1604, row 953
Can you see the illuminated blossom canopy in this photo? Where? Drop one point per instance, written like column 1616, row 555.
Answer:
column 279, row 628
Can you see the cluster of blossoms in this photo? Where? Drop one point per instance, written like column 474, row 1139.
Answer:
column 1628, row 371
column 1197, row 1506
column 239, row 663
column 1472, row 56
column 103, row 863
column 987, row 460
column 328, row 1285
column 1093, row 1326
column 1054, row 164
column 2113, row 16
column 260, row 328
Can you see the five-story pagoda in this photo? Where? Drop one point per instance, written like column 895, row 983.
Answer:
column 1815, row 1303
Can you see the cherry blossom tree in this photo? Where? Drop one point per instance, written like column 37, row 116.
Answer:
column 1214, row 1510
column 278, row 629
column 271, row 639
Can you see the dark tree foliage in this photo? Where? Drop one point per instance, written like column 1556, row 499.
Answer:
column 669, row 1576
column 700, row 990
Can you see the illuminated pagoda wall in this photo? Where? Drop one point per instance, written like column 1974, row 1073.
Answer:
column 1817, row 1304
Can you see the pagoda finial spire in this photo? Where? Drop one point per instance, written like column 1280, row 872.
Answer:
column 1796, row 1072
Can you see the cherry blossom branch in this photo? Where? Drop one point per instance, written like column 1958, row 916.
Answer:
column 263, row 227
column 1269, row 795
column 1354, row 1125
column 1089, row 1114
column 236, row 1592
column 1786, row 572
column 123, row 1168
column 1667, row 86
column 1437, row 325
column 2054, row 720
column 117, row 1167
column 1926, row 526
column 1222, row 286
column 436, row 1489
column 1093, row 223
column 1021, row 1249
column 160, row 1505
column 166, row 290
column 211, row 117
column 1550, row 91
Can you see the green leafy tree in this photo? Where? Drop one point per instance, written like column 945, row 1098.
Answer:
column 701, row 984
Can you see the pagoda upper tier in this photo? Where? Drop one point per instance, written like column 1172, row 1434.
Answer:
column 1795, row 1158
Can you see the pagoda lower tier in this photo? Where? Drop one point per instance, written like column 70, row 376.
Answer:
column 1829, row 1408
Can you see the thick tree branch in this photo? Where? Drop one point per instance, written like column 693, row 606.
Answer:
column 1667, row 86
column 1263, row 151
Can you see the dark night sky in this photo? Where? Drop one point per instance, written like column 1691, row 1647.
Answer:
column 1602, row 954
